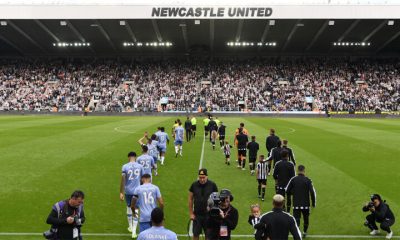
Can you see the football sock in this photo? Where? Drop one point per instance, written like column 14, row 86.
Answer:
column 129, row 215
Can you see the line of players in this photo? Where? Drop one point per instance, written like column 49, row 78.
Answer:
column 282, row 160
column 139, row 171
column 136, row 186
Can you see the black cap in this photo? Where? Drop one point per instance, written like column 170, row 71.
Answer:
column 131, row 154
column 376, row 196
column 203, row 172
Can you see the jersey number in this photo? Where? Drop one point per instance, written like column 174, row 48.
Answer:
column 133, row 174
column 148, row 197
column 145, row 164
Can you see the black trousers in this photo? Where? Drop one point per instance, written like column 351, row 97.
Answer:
column 385, row 224
column 306, row 215
column 188, row 135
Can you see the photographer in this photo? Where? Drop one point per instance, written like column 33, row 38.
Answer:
column 223, row 217
column 381, row 213
column 66, row 218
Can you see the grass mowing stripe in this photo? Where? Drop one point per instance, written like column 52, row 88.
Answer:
column 52, row 152
column 25, row 134
column 97, row 172
column 383, row 139
column 354, row 156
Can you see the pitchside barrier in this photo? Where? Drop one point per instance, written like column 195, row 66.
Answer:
column 304, row 114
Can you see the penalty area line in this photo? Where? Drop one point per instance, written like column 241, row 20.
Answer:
column 185, row 235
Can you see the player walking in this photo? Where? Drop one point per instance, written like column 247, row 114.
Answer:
column 132, row 172
column 179, row 136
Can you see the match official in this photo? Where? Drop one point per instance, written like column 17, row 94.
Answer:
column 277, row 224
column 302, row 189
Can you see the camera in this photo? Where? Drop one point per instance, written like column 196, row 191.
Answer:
column 213, row 204
column 370, row 205
column 50, row 234
column 215, row 200
column 77, row 221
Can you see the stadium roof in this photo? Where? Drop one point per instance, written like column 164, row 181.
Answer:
column 171, row 27
column 198, row 37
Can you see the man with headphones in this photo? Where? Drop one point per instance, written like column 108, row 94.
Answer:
column 381, row 213
column 220, row 227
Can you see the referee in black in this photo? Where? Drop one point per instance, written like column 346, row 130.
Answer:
column 302, row 189
column 270, row 143
column 283, row 172
column 277, row 224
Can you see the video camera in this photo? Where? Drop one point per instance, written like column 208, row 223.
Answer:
column 215, row 200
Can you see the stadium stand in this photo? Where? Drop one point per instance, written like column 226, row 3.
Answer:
column 343, row 85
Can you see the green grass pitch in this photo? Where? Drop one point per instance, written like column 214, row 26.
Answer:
column 44, row 158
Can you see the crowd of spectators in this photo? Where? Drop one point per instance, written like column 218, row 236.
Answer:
column 219, row 85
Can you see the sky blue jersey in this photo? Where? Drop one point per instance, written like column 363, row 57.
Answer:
column 157, row 233
column 133, row 172
column 147, row 195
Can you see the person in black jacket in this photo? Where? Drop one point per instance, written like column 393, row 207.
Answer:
column 275, row 155
column 220, row 227
column 381, row 213
column 212, row 126
column 221, row 133
column 277, row 224
column 270, row 143
column 242, row 141
column 283, row 172
column 302, row 189
column 290, row 151
column 67, row 217
column 253, row 150
column 188, row 128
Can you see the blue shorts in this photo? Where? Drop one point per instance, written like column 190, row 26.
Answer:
column 163, row 149
column 155, row 159
column 128, row 199
column 144, row 225
column 178, row 142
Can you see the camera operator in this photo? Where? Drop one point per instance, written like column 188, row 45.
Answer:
column 223, row 217
column 381, row 213
column 66, row 218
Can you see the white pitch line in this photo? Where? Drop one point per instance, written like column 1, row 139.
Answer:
column 185, row 235
column 118, row 129
column 202, row 152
